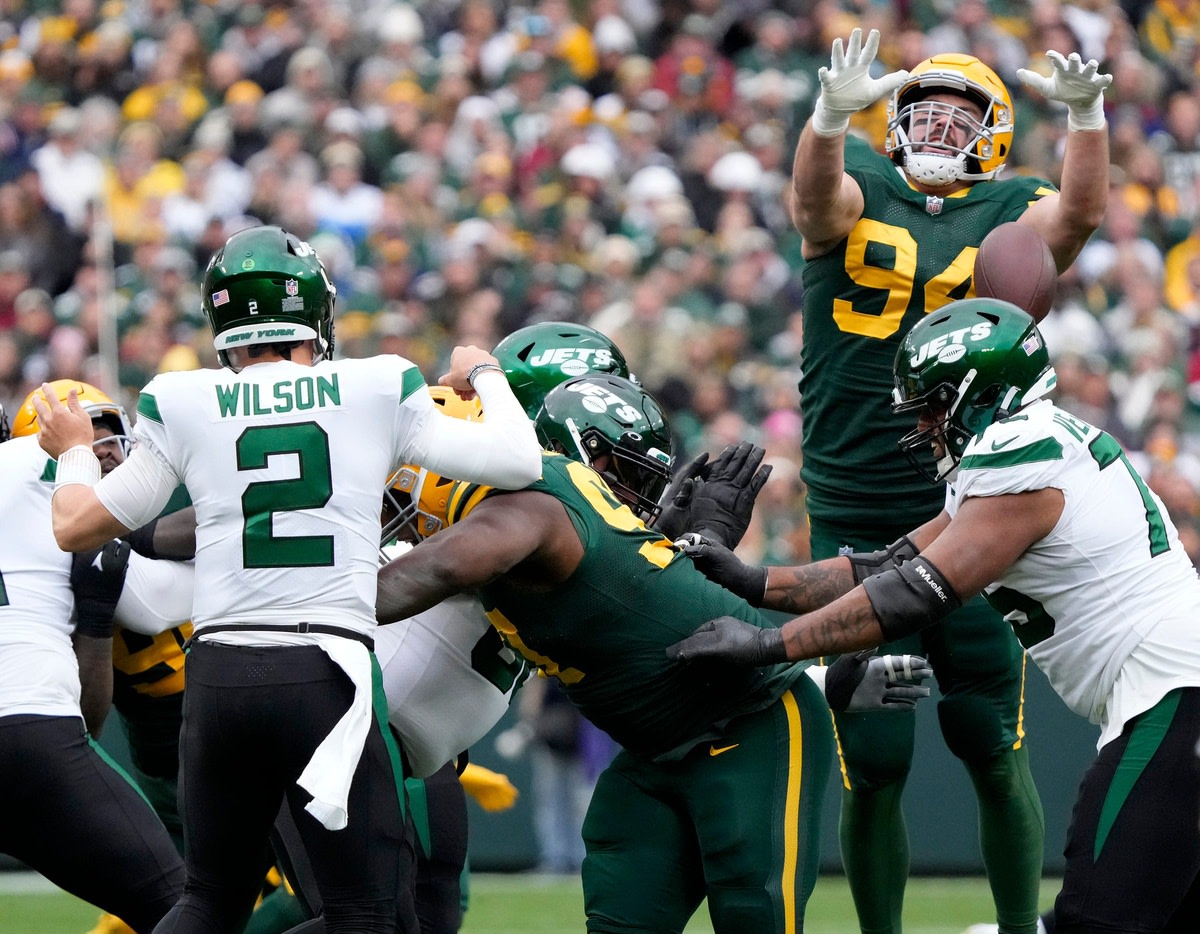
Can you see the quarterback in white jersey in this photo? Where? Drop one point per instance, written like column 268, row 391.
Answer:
column 285, row 454
column 1047, row 517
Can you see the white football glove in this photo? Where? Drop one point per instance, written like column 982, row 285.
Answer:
column 847, row 86
column 1079, row 86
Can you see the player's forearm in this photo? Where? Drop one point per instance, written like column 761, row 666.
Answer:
column 501, row 451
column 80, row 520
column 94, row 657
column 807, row 587
column 1083, row 194
column 817, row 169
column 408, row 585
column 846, row 625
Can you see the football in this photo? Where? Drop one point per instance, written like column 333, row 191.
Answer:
column 1015, row 264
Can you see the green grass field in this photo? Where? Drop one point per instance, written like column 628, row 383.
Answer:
column 531, row 904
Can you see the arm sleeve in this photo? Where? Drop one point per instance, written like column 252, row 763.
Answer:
column 157, row 595
column 138, row 490
column 501, row 451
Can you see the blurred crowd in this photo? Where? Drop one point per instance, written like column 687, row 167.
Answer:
column 466, row 167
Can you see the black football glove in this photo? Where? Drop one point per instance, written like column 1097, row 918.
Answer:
column 722, row 566
column 723, row 501
column 97, row 579
column 729, row 639
column 862, row 681
column 676, row 501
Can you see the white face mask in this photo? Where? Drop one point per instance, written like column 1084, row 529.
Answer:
column 948, row 135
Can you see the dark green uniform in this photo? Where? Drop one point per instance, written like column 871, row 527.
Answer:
column 717, row 790
column 908, row 255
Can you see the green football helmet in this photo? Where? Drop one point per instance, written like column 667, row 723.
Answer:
column 589, row 417
column 539, row 357
column 266, row 285
column 965, row 366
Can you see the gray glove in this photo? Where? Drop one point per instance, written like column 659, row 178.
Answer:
column 862, row 681
column 724, row 499
column 676, row 502
column 729, row 639
column 722, row 566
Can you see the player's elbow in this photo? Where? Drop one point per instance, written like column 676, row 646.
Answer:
column 526, row 467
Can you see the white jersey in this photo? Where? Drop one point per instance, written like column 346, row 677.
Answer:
column 448, row 680
column 38, row 670
column 286, row 466
column 1107, row 604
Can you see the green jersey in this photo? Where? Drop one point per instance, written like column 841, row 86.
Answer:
column 909, row 254
column 604, row 632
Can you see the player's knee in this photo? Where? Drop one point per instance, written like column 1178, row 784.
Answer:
column 883, row 767
column 972, row 727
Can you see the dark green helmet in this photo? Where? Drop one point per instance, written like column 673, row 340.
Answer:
column 591, row 416
column 539, row 357
column 264, row 286
column 965, row 366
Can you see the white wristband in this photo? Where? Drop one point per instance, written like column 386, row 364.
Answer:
column 826, row 123
column 1089, row 117
column 77, row 465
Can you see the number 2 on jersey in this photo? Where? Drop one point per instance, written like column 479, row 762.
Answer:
column 312, row 489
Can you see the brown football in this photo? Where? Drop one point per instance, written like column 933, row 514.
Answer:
column 1015, row 264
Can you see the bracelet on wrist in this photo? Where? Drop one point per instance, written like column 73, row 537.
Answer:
column 481, row 368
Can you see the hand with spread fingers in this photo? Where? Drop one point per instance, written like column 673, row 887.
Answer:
column 723, row 500
column 1075, row 83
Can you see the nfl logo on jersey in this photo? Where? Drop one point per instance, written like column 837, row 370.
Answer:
column 933, row 204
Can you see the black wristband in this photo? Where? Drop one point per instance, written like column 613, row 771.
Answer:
column 909, row 598
column 866, row 563
column 142, row 540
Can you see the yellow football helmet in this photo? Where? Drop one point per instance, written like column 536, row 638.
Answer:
column 983, row 156
column 98, row 405
column 416, row 501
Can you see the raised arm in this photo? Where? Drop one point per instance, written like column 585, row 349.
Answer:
column 1066, row 220
column 501, row 451
column 825, row 202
